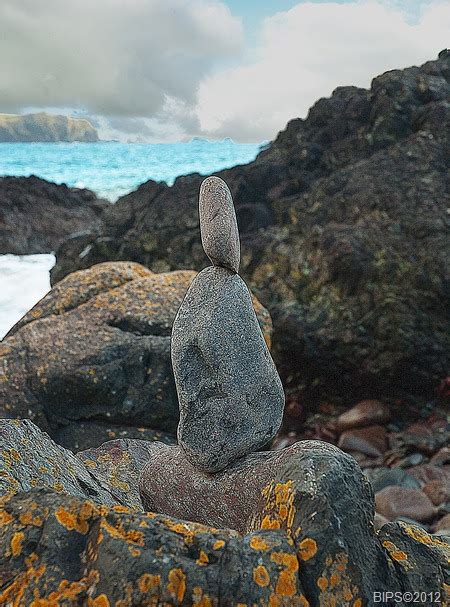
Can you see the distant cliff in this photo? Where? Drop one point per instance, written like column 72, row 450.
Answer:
column 45, row 127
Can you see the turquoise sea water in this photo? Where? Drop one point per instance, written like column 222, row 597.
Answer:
column 112, row 169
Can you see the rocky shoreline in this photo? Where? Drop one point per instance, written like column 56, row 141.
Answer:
column 339, row 492
column 225, row 524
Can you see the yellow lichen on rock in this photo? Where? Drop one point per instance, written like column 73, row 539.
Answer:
column 261, row 576
column 177, row 584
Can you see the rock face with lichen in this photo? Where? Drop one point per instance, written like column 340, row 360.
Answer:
column 91, row 361
column 303, row 543
column 343, row 223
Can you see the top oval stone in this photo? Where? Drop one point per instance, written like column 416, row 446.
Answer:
column 218, row 225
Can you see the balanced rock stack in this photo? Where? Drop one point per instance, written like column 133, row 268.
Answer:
column 311, row 494
column 230, row 395
column 228, row 526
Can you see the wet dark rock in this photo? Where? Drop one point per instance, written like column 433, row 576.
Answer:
column 416, row 562
column 96, row 351
column 371, row 441
column 230, row 395
column 218, row 225
column 394, row 502
column 36, row 216
column 343, row 223
column 365, row 413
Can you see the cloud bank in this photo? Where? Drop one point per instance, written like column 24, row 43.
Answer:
column 308, row 51
column 112, row 57
column 152, row 70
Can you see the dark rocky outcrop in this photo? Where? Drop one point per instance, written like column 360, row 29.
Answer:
column 343, row 223
column 301, row 551
column 91, row 361
column 43, row 127
column 37, row 216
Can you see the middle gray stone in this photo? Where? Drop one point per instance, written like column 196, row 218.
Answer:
column 230, row 395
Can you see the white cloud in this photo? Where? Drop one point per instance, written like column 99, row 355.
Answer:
column 308, row 51
column 111, row 57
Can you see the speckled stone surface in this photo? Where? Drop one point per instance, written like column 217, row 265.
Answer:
column 218, row 225
column 230, row 395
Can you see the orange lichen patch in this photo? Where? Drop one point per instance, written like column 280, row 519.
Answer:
column 16, row 543
column 423, row 537
column 121, row 509
column 77, row 520
column 307, row 548
column 258, row 543
column 202, row 559
column 270, row 523
column 134, row 551
column 218, row 545
column 399, row 555
column 396, row 554
column 148, row 582
column 199, row 599
column 261, row 576
column 322, row 583
column 27, row 518
column 335, row 584
column 357, row 603
column 13, row 594
column 180, row 528
column 177, row 584
column 118, row 532
column 279, row 509
column 101, row 601
column 347, row 594
column 5, row 518
column 287, row 580
column 335, row 578
column 15, row 454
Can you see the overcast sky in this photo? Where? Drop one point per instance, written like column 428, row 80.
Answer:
column 167, row 70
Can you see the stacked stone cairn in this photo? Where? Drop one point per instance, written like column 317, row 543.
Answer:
column 311, row 496
column 227, row 525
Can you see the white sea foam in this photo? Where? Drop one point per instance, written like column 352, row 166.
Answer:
column 24, row 280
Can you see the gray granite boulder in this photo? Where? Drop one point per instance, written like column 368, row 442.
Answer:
column 230, row 395
column 218, row 225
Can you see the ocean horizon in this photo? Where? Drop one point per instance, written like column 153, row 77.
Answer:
column 112, row 169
